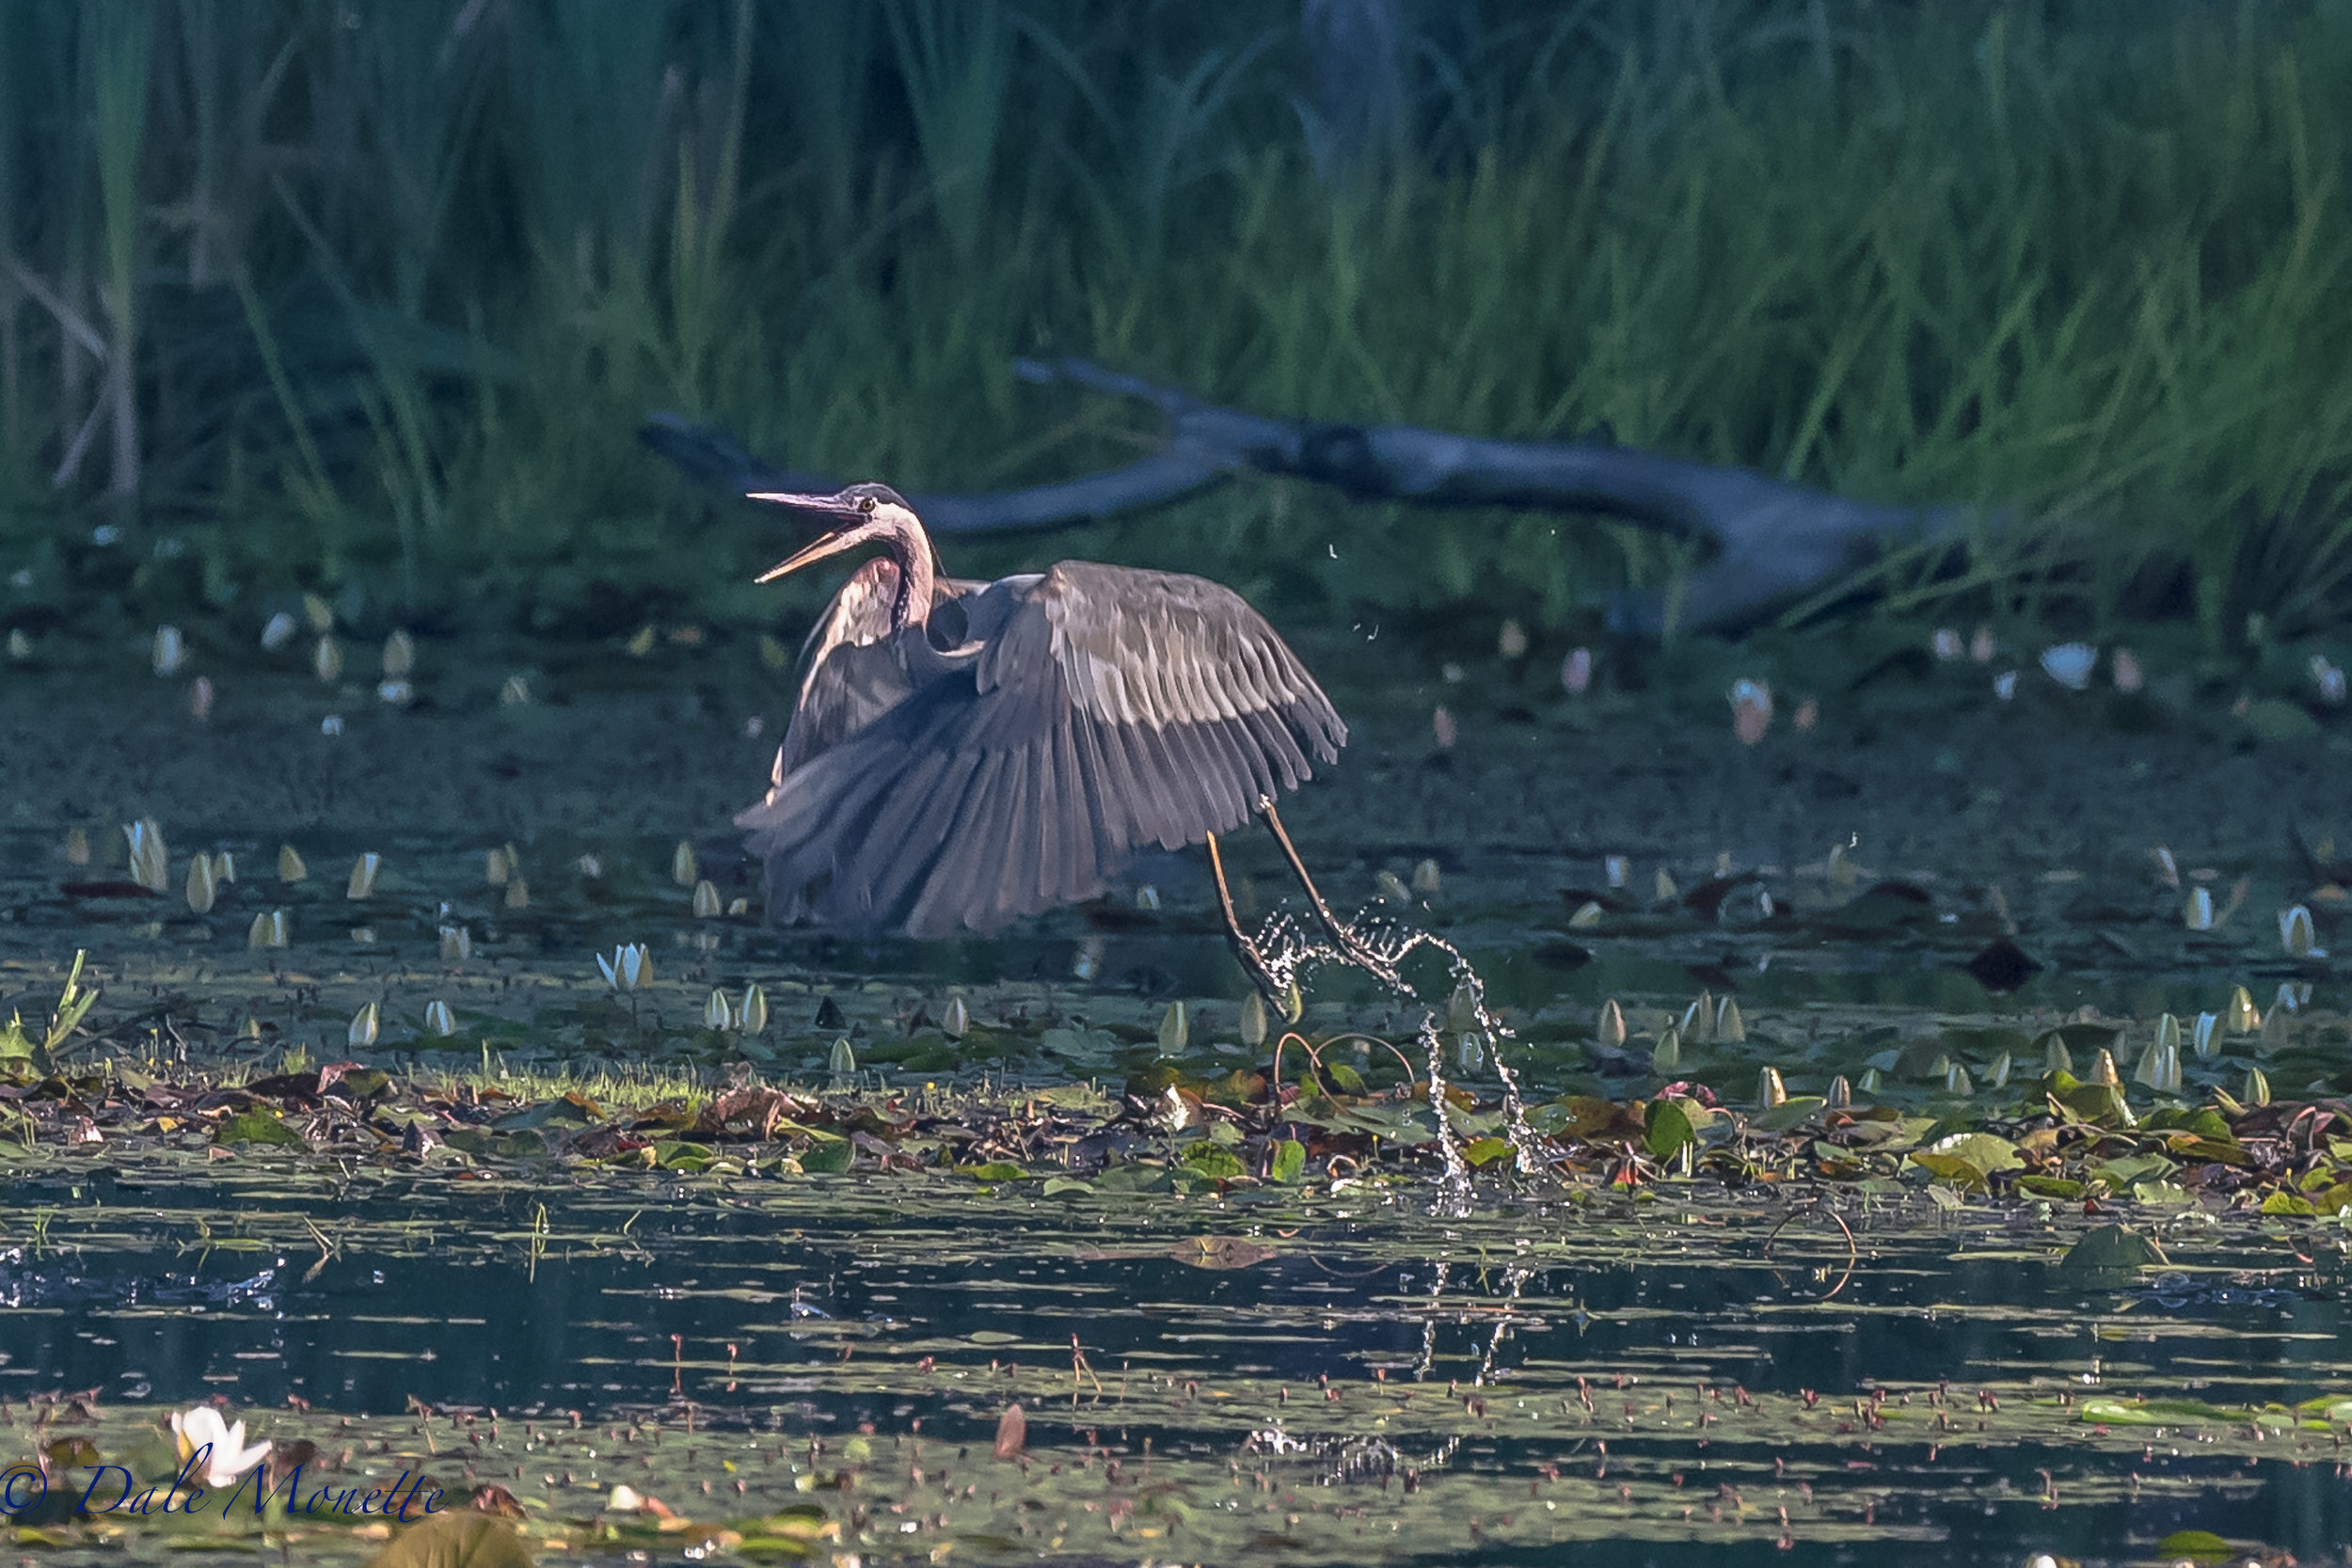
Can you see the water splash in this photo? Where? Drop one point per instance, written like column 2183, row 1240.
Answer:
column 1380, row 948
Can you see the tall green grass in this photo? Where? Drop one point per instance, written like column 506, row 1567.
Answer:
column 387, row 290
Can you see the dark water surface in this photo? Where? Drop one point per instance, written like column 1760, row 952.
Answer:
column 1382, row 1338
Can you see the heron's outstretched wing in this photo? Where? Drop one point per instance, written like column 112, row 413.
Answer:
column 853, row 674
column 1097, row 709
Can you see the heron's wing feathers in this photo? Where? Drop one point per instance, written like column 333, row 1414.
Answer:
column 853, row 675
column 1105, row 709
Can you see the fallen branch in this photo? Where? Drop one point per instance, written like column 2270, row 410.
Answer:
column 1772, row 541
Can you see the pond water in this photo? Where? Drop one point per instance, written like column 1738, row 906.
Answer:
column 1343, row 1371
column 1345, row 1377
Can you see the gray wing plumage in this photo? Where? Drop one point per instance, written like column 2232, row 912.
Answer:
column 853, row 675
column 1095, row 709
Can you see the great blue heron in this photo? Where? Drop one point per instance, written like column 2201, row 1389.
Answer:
column 966, row 753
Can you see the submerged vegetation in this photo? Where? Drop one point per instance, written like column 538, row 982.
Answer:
column 368, row 302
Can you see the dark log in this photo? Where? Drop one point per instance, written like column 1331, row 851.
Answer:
column 1772, row 541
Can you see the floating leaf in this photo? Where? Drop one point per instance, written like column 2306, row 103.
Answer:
column 256, row 1126
column 1668, row 1130
column 2198, row 1545
column 1482, row 1152
column 1213, row 1161
column 1290, row 1160
column 2113, row 1249
column 461, row 1538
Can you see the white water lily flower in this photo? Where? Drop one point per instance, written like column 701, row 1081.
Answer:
column 630, row 966
column 200, row 1431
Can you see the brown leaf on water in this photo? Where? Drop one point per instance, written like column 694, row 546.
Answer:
column 1012, row 1432
column 490, row 1498
column 1220, row 1252
column 460, row 1539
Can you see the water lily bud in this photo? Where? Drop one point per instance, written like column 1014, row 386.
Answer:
column 1610, row 1029
column 438, row 1020
column 2070, row 664
column 2103, row 1069
column 1998, row 1078
column 457, row 945
column 1770, row 1090
column 169, row 652
column 364, row 1027
column 843, row 1061
column 752, row 1016
column 1868, row 1083
column 706, row 900
column 2241, row 1018
column 2197, row 910
column 1175, row 1029
column 1616, row 870
column 1751, row 710
column 268, row 930
column 1253, row 1022
column 682, row 868
column 1575, row 672
column 1729, row 1026
column 1840, row 1092
column 2207, row 1036
column 400, row 656
column 290, row 865
column 150, row 862
column 717, row 1012
column 1667, row 1055
column 2058, row 1058
column 1146, row 897
column 363, row 870
column 2257, row 1090
column 1461, row 1007
column 1426, row 878
column 279, row 631
column 1511, row 642
column 1294, row 1003
column 955, row 1017
column 1588, row 915
column 2296, row 933
column 202, row 884
column 1956, row 1080
column 327, row 661
column 1698, row 1019
column 1470, row 1051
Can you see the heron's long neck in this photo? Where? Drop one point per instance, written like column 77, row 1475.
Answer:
column 911, row 550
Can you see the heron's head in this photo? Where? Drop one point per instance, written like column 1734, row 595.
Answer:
column 862, row 513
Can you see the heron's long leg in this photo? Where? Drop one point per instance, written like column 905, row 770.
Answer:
column 1341, row 934
column 1245, row 949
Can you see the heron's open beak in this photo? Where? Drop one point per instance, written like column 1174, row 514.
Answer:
column 831, row 542
column 823, row 546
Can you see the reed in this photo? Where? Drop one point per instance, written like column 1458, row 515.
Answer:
column 381, row 304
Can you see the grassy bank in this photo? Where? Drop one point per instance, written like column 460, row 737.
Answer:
column 371, row 303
